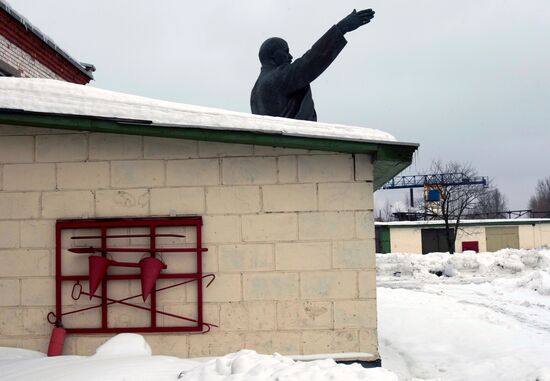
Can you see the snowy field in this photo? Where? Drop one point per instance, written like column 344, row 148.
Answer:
column 485, row 317
column 462, row 317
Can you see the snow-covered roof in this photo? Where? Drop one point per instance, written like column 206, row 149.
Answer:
column 51, row 96
column 499, row 221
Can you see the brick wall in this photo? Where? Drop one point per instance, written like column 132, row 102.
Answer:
column 290, row 236
column 23, row 62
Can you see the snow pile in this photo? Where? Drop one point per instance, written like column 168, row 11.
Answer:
column 125, row 344
column 248, row 365
column 467, row 316
column 128, row 357
column 8, row 355
column 531, row 266
column 51, row 96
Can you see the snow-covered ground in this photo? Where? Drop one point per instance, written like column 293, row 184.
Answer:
column 128, row 357
column 486, row 317
column 441, row 317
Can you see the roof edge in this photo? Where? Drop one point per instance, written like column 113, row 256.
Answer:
column 390, row 158
column 43, row 37
column 474, row 223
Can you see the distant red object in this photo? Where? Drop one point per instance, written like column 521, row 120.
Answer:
column 470, row 246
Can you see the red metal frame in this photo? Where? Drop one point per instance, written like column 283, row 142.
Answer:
column 104, row 225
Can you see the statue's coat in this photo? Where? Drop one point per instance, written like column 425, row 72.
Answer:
column 285, row 90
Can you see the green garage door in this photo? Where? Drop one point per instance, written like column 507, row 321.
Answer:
column 502, row 237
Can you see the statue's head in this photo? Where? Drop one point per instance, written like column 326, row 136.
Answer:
column 274, row 51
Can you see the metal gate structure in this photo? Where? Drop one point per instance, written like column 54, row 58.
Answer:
column 100, row 238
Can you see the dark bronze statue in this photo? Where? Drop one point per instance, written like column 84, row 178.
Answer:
column 282, row 88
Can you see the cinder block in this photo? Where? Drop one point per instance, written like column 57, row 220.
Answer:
column 302, row 256
column 187, row 262
column 193, row 172
column 34, row 322
column 355, row 314
column 225, row 288
column 11, row 321
column 329, row 341
column 59, row 148
column 137, row 173
column 9, row 235
column 354, row 255
column 249, row 170
column 270, row 227
column 325, row 168
column 246, row 258
column 28, row 177
column 39, row 344
column 316, row 342
column 88, row 175
column 289, row 198
column 304, row 315
column 67, row 204
column 38, row 292
column 177, row 201
column 215, row 344
column 270, row 286
column 367, row 284
column 215, row 149
column 9, row 289
column 38, row 233
column 167, row 148
column 345, row 196
column 126, row 316
column 232, row 199
column 248, row 316
column 87, row 345
column 221, row 229
column 285, row 343
column 278, row 151
column 364, row 223
column 346, row 340
column 326, row 225
column 329, row 285
column 168, row 345
column 363, row 167
column 23, row 130
column 20, row 205
column 210, row 313
column 130, row 202
column 115, row 147
column 287, row 168
column 368, row 342
column 16, row 149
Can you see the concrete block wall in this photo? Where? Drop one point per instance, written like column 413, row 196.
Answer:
column 23, row 62
column 290, row 235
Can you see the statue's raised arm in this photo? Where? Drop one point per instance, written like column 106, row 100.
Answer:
column 283, row 87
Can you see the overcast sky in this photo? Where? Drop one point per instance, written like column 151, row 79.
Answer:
column 469, row 80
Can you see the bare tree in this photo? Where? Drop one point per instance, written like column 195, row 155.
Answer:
column 540, row 202
column 491, row 204
column 455, row 200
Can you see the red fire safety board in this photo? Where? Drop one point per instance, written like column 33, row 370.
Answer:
column 130, row 275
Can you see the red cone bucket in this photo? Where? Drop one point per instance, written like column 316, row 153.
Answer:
column 150, row 271
column 97, row 267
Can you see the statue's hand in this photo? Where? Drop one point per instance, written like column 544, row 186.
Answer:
column 355, row 19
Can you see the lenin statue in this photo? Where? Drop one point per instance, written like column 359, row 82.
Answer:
column 283, row 87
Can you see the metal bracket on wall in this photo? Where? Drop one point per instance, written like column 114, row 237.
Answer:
column 150, row 230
